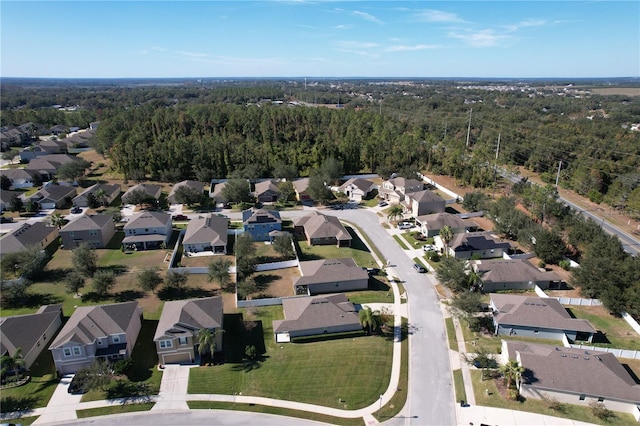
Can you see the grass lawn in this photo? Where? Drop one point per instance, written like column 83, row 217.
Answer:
column 118, row 409
column 213, row 405
column 400, row 242
column 305, row 372
column 615, row 332
column 458, row 382
column 415, row 243
column 25, row 421
column 393, row 407
column 575, row 412
column 38, row 391
column 358, row 251
column 451, row 334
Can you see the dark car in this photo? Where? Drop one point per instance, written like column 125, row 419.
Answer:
column 419, row 268
column 6, row 219
column 180, row 217
column 76, row 210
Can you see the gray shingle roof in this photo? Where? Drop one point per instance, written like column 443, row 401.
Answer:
column 476, row 241
column 26, row 235
column 254, row 215
column 23, row 331
column 88, row 222
column 54, row 193
column 153, row 190
column 148, row 220
column 439, row 220
column 328, row 270
column 88, row 323
column 208, row 229
column 318, row 225
column 578, row 371
column 193, row 184
column 311, row 312
column 511, row 270
column 188, row 316
column 363, row 185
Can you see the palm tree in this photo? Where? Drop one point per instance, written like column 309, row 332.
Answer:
column 446, row 234
column 207, row 340
column 12, row 364
column 394, row 212
column 512, row 372
column 57, row 220
column 101, row 196
column 369, row 319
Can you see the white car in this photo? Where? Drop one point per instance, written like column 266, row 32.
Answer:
column 429, row 247
column 405, row 225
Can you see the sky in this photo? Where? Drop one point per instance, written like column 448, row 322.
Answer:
column 300, row 38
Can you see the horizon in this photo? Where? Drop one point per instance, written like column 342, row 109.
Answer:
column 567, row 39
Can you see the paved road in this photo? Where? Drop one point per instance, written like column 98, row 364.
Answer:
column 431, row 399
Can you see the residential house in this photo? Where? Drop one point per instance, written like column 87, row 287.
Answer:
column 472, row 245
column 31, row 333
column 423, row 202
column 94, row 125
column 394, row 190
column 47, row 165
column 14, row 136
column 259, row 222
column 54, row 196
column 6, row 197
column 512, row 274
column 316, row 315
column 95, row 230
column 431, row 224
column 106, row 194
column 147, row 230
column 358, row 189
column 107, row 332
column 300, row 186
column 193, row 184
column 58, row 129
column 574, row 376
column 38, row 234
column 320, row 229
column 151, row 190
column 329, row 276
column 31, row 152
column 52, row 146
column 206, row 233
column 20, row 178
column 543, row 318
column 215, row 192
column 176, row 335
column 266, row 191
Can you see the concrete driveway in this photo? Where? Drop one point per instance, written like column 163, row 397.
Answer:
column 173, row 388
column 62, row 405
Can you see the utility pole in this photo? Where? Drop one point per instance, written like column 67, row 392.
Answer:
column 558, row 175
column 469, row 127
column 495, row 167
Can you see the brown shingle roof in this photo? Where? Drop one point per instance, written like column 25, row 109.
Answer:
column 312, row 312
column 318, row 225
column 511, row 270
column 182, row 316
column 328, row 270
column 439, row 220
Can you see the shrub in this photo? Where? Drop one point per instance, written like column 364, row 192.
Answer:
column 542, row 264
column 122, row 366
column 601, row 411
column 565, row 264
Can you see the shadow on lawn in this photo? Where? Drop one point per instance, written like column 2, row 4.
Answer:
column 30, row 300
column 174, row 293
column 11, row 404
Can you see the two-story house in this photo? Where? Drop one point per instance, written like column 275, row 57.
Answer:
column 358, row 189
column 102, row 193
column 94, row 230
column 423, row 202
column 96, row 332
column 208, row 233
column 259, row 222
column 147, row 230
column 394, row 190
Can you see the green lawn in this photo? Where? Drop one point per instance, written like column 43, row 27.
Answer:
column 458, row 382
column 616, row 333
column 310, row 372
column 397, row 402
column 400, row 242
column 575, row 412
column 38, row 391
column 358, row 251
column 118, row 409
column 24, row 421
column 451, row 334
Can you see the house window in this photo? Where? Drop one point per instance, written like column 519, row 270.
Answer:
column 182, row 341
column 582, row 397
column 600, row 399
column 99, row 341
column 116, row 339
column 164, row 344
column 76, row 350
column 67, row 351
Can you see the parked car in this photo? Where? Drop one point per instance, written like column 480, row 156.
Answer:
column 405, row 225
column 383, row 204
column 419, row 268
column 429, row 247
column 6, row 219
column 180, row 217
column 76, row 210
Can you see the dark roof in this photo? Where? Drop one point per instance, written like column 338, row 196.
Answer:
column 536, row 312
column 189, row 316
column 88, row 222
column 193, row 184
column 511, row 270
column 577, row 371
column 254, row 215
column 24, row 236
column 54, row 193
column 208, row 229
column 148, row 219
column 313, row 312
column 23, row 331
column 329, row 270
column 363, row 185
column 470, row 241
column 439, row 220
column 153, row 190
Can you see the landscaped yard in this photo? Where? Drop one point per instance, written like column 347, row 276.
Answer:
column 358, row 251
column 308, row 372
column 616, row 332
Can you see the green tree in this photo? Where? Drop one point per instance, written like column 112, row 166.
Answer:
column 12, row 364
column 5, row 182
column 188, row 195
column 394, row 212
column 452, row 273
column 475, row 201
column 332, row 169
column 317, row 188
column 149, row 278
column 219, row 271
column 74, row 282
column 285, row 191
column 246, row 287
column 207, row 340
column 465, row 305
column 175, row 280
column 73, row 170
column 97, row 375
column 28, row 263
column 16, row 204
column 446, row 235
column 56, row 220
column 370, row 320
column 549, row 246
column 138, row 198
column 282, row 170
column 245, row 256
column 283, row 246
column 84, row 260
column 100, row 196
column 237, row 191
column 512, row 371
column 103, row 281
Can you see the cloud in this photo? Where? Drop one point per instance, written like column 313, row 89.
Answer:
column 341, row 27
column 346, row 44
column 367, row 17
column 359, row 52
column 404, row 48
column 482, row 38
column 192, row 54
column 431, row 15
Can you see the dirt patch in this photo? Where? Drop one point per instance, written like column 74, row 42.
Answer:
column 203, row 261
column 277, row 283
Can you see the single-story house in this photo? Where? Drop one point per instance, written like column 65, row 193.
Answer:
column 54, row 196
column 110, row 193
column 358, row 189
column 154, row 191
column 6, row 197
column 95, row 230
column 52, row 146
column 320, row 229
column 96, row 332
column 259, row 222
column 266, row 191
column 574, row 376
column 29, row 153
column 47, row 165
column 301, row 185
column 315, row 315
column 512, row 274
column 58, row 128
column 176, row 334
column 19, row 178
column 470, row 245
column 31, row 333
column 330, row 275
column 431, row 224
column 543, row 318
column 192, row 184
column 38, row 234
column 395, row 189
column 148, row 230
column 206, row 233
column 423, row 202
column 215, row 192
